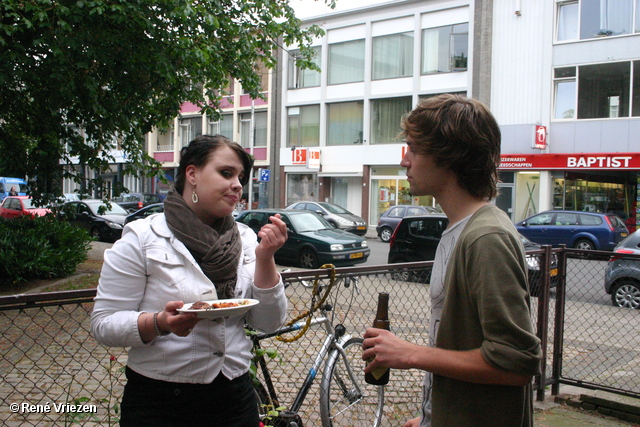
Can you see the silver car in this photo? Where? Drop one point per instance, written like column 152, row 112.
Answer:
column 337, row 216
column 622, row 275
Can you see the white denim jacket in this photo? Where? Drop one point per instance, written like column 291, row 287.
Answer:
column 148, row 267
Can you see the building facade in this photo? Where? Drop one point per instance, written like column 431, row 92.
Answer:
column 339, row 128
column 244, row 120
column 568, row 104
column 561, row 77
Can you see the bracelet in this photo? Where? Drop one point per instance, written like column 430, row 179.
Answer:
column 155, row 323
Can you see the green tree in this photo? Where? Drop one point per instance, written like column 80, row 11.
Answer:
column 80, row 77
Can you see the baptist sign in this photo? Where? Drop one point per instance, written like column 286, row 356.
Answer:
column 610, row 161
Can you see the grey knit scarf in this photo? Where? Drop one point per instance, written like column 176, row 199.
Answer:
column 216, row 248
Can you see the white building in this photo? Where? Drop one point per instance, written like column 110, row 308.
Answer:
column 561, row 77
column 339, row 128
column 574, row 68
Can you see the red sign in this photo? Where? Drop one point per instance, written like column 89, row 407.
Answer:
column 299, row 156
column 540, row 141
column 609, row 161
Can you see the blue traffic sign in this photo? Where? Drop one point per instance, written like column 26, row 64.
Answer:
column 263, row 175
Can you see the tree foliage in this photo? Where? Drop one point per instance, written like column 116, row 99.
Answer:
column 115, row 69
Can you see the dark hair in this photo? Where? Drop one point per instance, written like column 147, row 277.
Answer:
column 460, row 134
column 199, row 152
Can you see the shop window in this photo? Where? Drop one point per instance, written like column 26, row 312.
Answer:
column 303, row 124
column 392, row 56
column 445, row 49
column 346, row 62
column 299, row 77
column 344, row 123
column 386, row 115
column 301, row 187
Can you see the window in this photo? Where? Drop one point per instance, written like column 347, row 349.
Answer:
column 259, row 130
column 386, row 115
column 346, row 62
column 304, row 126
column 224, row 126
column 589, row 19
column 567, row 21
column 445, row 49
column 263, row 74
column 392, row 56
column 298, row 77
column 344, row 123
column 542, row 219
column 597, row 91
column 603, row 89
column 565, row 85
column 189, row 129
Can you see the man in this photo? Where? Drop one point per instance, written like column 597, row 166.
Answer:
column 483, row 352
column 13, row 191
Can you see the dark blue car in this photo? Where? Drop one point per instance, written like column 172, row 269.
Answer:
column 312, row 241
column 575, row 229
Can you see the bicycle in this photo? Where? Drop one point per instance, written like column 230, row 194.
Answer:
column 345, row 399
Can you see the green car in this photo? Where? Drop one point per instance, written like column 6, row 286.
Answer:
column 312, row 241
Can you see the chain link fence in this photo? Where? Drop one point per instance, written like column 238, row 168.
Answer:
column 57, row 374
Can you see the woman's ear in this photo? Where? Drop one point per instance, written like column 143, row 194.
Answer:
column 190, row 174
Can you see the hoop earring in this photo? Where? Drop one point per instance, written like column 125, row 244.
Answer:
column 194, row 195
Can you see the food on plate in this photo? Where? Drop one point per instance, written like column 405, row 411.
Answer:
column 201, row 305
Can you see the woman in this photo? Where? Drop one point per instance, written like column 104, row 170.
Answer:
column 183, row 370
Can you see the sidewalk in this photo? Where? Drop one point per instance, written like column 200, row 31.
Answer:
column 580, row 407
column 573, row 407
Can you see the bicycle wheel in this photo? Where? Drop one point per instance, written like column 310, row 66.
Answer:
column 346, row 400
column 263, row 399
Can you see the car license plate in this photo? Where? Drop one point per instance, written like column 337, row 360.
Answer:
column 553, row 272
column 362, row 227
column 356, row 255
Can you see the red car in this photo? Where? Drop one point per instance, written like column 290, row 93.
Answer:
column 15, row 206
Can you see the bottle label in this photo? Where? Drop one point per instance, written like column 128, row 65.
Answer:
column 378, row 372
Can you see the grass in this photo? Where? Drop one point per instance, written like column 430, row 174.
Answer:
column 86, row 276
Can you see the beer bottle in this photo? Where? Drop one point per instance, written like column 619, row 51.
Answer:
column 380, row 375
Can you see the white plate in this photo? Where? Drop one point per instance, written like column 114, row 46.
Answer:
column 212, row 313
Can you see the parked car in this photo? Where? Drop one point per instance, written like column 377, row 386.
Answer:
column 16, row 206
column 575, row 229
column 622, row 276
column 416, row 239
column 145, row 212
column 311, row 241
column 390, row 219
column 103, row 223
column 336, row 215
column 135, row 201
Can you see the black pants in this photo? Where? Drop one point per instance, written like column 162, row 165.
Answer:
column 154, row 403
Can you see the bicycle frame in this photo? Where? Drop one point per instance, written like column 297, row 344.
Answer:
column 329, row 343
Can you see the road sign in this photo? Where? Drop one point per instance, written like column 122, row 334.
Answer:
column 263, row 175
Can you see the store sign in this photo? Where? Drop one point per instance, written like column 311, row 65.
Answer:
column 313, row 158
column 299, row 156
column 570, row 161
column 540, row 137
